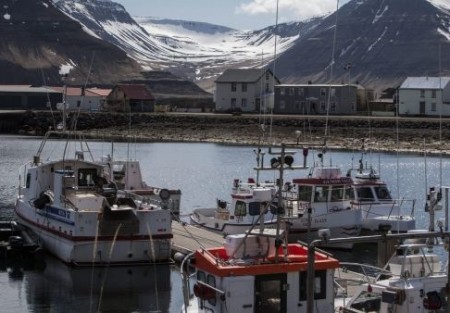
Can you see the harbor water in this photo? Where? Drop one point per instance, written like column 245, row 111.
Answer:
column 204, row 172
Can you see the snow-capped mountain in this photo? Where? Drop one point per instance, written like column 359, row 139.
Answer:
column 384, row 41
column 197, row 51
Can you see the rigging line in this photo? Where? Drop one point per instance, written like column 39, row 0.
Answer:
column 440, row 117
column 84, row 91
column 331, row 75
column 274, row 67
column 398, row 148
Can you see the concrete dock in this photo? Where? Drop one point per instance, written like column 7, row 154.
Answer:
column 188, row 238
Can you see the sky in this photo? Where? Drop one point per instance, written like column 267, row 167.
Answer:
column 238, row 14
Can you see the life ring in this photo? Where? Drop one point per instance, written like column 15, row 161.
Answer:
column 203, row 292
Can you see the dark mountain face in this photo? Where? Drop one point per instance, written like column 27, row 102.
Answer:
column 384, row 41
column 37, row 40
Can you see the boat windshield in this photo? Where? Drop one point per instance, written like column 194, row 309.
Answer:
column 365, row 194
column 383, row 193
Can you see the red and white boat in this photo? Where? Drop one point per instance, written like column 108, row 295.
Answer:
column 254, row 273
column 81, row 216
column 323, row 202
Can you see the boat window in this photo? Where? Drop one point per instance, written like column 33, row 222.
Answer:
column 367, row 302
column 240, row 209
column 364, row 194
column 320, row 287
column 304, row 193
column 212, row 282
column 338, row 193
column 28, row 180
column 254, row 208
column 201, row 276
column 86, row 177
column 321, row 194
column 383, row 193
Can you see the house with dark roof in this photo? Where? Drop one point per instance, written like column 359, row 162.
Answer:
column 130, row 98
column 246, row 90
column 428, row 96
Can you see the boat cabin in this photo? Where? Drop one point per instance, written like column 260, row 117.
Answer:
column 248, row 274
column 324, row 189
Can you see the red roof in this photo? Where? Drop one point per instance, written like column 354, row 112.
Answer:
column 136, row 91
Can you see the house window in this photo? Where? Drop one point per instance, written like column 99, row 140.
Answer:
column 297, row 105
column 282, row 92
column 301, row 92
column 333, row 92
column 433, row 107
column 233, row 86
column 303, row 106
column 433, row 94
column 422, row 93
column 233, row 102
column 333, row 107
column 291, row 91
column 267, row 87
column 323, row 92
column 243, row 102
column 267, row 75
column 322, row 106
column 282, row 104
column 244, row 87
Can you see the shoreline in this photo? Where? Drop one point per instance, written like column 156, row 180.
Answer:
column 414, row 135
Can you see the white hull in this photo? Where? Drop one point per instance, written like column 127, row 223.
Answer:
column 55, row 236
column 397, row 224
column 205, row 218
column 341, row 224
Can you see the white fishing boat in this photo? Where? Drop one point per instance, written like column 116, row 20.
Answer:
column 414, row 279
column 373, row 197
column 250, row 205
column 253, row 273
column 81, row 216
column 323, row 202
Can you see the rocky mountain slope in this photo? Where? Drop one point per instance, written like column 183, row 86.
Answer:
column 373, row 42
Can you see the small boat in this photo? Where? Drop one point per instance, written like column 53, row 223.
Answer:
column 323, row 202
column 372, row 196
column 15, row 242
column 250, row 205
column 417, row 280
column 81, row 217
column 254, row 272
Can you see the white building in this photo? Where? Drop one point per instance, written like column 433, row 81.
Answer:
column 425, row 96
column 246, row 90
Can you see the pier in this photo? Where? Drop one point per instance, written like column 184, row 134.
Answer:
column 188, row 238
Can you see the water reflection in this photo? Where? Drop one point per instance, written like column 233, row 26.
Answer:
column 60, row 288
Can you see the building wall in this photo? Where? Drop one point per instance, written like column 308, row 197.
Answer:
column 313, row 99
column 84, row 103
column 424, row 102
column 247, row 101
column 28, row 100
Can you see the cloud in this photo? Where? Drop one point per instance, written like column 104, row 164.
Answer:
column 289, row 10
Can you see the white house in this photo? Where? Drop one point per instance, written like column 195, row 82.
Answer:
column 425, row 96
column 89, row 99
column 246, row 90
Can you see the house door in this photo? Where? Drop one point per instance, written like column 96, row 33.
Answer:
column 270, row 293
column 422, row 108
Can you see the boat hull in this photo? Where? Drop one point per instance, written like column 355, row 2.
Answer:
column 341, row 224
column 205, row 218
column 57, row 238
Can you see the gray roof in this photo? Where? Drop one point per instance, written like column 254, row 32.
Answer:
column 250, row 75
column 425, row 83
